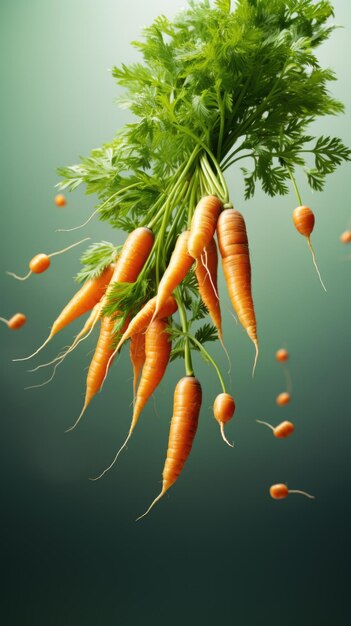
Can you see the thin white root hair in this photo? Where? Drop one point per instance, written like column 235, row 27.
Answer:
column 256, row 357
column 151, row 505
column 107, row 469
column 303, row 493
column 315, row 263
column 73, row 245
column 78, row 419
column 231, row 445
column 265, row 424
column 69, row 230
column 46, row 382
column 25, row 358
column 19, row 277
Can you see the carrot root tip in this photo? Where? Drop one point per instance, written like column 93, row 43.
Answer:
column 231, row 445
column 151, row 505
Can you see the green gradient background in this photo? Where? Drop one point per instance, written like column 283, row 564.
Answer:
column 218, row 550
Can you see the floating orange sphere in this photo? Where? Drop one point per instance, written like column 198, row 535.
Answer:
column 281, row 491
column 39, row 263
column 60, row 200
column 283, row 398
column 303, row 219
column 345, row 237
column 285, row 429
column 16, row 321
column 282, row 355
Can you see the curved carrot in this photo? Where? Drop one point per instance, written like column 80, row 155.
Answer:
column 234, row 249
column 203, row 224
column 134, row 253
column 206, row 274
column 178, row 267
column 186, row 409
column 142, row 319
column 137, row 357
column 84, row 300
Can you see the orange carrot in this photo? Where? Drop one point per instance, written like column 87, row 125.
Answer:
column 84, row 300
column 15, row 322
column 142, row 319
column 206, row 274
column 345, row 237
column 282, row 355
column 234, row 249
column 157, row 352
column 137, row 357
column 41, row 262
column 281, row 491
column 203, row 224
column 223, row 410
column 303, row 219
column 178, row 267
column 283, row 398
column 283, row 430
column 186, row 409
column 134, row 253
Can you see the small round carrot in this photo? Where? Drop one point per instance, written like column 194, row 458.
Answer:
column 60, row 200
column 281, row 491
column 223, row 410
column 41, row 262
column 234, row 249
column 203, row 224
column 206, row 275
column 83, row 300
column 186, row 409
column 142, row 319
column 178, row 267
column 15, row 322
column 283, row 398
column 303, row 218
column 282, row 355
column 345, row 237
column 284, row 429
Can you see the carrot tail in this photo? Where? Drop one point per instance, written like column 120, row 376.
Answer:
column 224, row 437
column 107, row 469
column 79, row 417
column 152, row 504
column 68, row 230
column 315, row 263
column 204, row 263
column 46, row 382
column 265, row 424
column 19, row 277
column 256, row 357
column 38, row 350
column 303, row 493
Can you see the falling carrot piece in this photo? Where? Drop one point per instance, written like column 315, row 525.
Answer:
column 60, row 200
column 15, row 322
column 303, row 218
column 186, row 409
column 282, row 355
column 41, row 262
column 284, row 429
column 281, row 491
column 345, row 237
column 283, row 398
column 223, row 410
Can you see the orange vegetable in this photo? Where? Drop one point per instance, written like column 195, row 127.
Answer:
column 179, row 265
column 137, row 357
column 15, row 322
column 60, row 200
column 282, row 355
column 41, row 262
column 84, row 300
column 234, row 249
column 206, row 274
column 134, row 253
column 142, row 319
column 223, row 410
column 284, row 429
column 186, row 409
column 345, row 237
column 157, row 353
column 283, row 398
column 281, row 491
column 303, row 219
column 203, row 224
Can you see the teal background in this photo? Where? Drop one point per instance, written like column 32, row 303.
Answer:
column 217, row 549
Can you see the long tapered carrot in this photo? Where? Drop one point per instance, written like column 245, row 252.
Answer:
column 157, row 352
column 137, row 357
column 206, row 274
column 186, row 409
column 133, row 256
column 234, row 249
column 203, row 224
column 178, row 267
column 142, row 319
column 84, row 300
